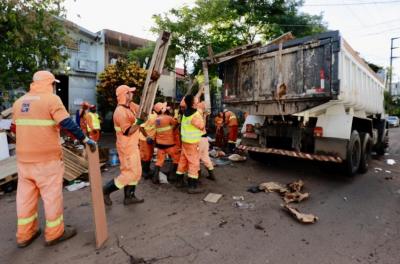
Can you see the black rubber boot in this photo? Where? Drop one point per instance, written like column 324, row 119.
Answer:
column 231, row 147
column 69, row 232
column 179, row 181
column 107, row 190
column 29, row 241
column 156, row 175
column 172, row 174
column 146, row 170
column 193, row 186
column 211, row 175
column 129, row 195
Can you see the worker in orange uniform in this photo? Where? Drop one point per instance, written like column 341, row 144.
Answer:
column 82, row 116
column 37, row 118
column 232, row 123
column 219, row 130
column 204, row 145
column 93, row 123
column 191, row 131
column 165, row 141
column 127, row 127
column 146, row 144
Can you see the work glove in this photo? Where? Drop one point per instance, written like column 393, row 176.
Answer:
column 149, row 140
column 139, row 121
column 91, row 143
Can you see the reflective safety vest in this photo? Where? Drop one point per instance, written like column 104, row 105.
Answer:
column 94, row 117
column 190, row 133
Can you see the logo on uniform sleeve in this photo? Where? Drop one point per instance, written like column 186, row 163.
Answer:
column 25, row 107
column 158, row 122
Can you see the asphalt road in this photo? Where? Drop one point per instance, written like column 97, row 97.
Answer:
column 359, row 220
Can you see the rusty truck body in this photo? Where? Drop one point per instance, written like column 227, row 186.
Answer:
column 311, row 98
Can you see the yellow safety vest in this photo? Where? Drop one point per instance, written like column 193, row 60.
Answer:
column 190, row 133
column 95, row 121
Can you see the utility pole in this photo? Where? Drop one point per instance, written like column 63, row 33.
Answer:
column 391, row 63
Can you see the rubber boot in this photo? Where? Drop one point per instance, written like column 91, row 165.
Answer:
column 231, row 147
column 69, row 232
column 211, row 175
column 156, row 175
column 179, row 181
column 129, row 195
column 107, row 190
column 193, row 186
column 172, row 174
column 29, row 241
column 146, row 169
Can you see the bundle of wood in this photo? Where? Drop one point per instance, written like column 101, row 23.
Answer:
column 75, row 165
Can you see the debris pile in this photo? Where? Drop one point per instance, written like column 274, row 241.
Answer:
column 290, row 193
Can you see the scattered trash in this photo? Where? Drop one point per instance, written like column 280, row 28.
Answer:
column 221, row 162
column 76, row 186
column 295, row 197
column 345, row 198
column 386, row 154
column 378, row 169
column 296, row 186
column 390, row 161
column 243, row 205
column 238, row 198
column 217, row 153
column 212, row 197
column 389, row 178
column 258, row 226
column 237, row 157
column 388, row 171
column 207, row 234
column 163, row 178
column 84, row 204
column 254, row 189
column 303, row 218
column 222, row 223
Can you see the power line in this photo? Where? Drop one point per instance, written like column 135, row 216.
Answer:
column 356, row 3
column 381, row 32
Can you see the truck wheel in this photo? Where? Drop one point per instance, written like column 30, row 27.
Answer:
column 366, row 148
column 353, row 154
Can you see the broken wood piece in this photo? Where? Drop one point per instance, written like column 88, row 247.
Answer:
column 8, row 169
column 295, row 197
column 6, row 113
column 96, row 186
column 207, row 99
column 296, row 186
column 212, row 197
column 303, row 218
column 272, row 187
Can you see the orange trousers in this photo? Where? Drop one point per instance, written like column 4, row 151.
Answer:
column 204, row 157
column 146, row 150
column 130, row 166
column 173, row 152
column 34, row 180
column 95, row 135
column 190, row 160
column 232, row 134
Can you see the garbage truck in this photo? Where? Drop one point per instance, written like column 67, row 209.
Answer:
column 310, row 98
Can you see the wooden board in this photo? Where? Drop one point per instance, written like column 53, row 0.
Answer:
column 156, row 66
column 96, row 186
column 75, row 165
column 8, row 167
column 207, row 99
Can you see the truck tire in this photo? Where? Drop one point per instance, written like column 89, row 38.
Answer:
column 353, row 154
column 366, row 148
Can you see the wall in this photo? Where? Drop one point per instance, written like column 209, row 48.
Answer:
column 167, row 85
column 81, row 88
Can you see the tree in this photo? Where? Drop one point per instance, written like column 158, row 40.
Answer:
column 114, row 75
column 142, row 56
column 32, row 37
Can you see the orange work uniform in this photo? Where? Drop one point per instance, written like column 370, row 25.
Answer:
column 232, row 124
column 146, row 149
column 219, row 131
column 127, row 147
column 191, row 131
column 166, row 139
column 39, row 159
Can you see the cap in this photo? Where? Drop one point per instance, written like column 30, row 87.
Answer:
column 44, row 75
column 160, row 107
column 124, row 89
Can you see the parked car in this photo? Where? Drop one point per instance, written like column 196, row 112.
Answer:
column 393, row 121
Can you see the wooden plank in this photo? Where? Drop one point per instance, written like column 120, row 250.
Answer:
column 8, row 167
column 207, row 99
column 156, row 67
column 6, row 113
column 96, row 186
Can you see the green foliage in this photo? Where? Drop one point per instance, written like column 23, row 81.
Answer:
column 31, row 39
column 122, row 72
column 142, row 56
column 392, row 106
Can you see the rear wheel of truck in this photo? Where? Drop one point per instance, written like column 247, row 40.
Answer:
column 366, row 148
column 353, row 154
